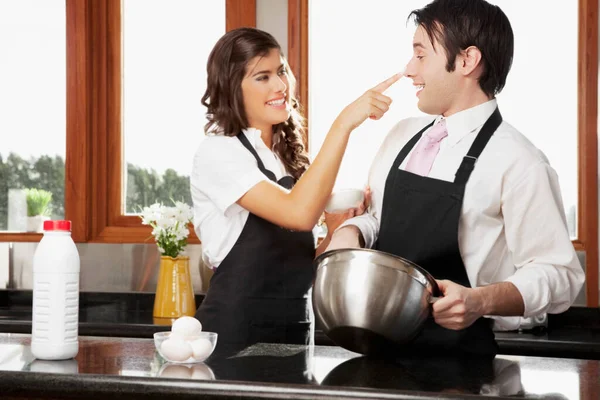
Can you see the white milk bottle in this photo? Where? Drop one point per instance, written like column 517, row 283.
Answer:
column 55, row 315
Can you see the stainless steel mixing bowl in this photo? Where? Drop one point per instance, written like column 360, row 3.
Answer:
column 367, row 300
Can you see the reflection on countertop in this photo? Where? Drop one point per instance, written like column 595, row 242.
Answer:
column 109, row 364
column 573, row 334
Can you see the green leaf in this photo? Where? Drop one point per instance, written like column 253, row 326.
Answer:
column 38, row 202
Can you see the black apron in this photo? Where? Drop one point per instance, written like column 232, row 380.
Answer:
column 419, row 222
column 259, row 292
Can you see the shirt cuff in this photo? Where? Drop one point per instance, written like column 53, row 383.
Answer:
column 367, row 225
column 505, row 323
column 533, row 284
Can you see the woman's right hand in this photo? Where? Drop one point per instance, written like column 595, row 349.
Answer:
column 372, row 104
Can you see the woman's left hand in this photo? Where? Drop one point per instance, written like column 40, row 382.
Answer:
column 333, row 221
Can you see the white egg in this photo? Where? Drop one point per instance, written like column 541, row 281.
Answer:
column 187, row 326
column 202, row 372
column 176, row 335
column 176, row 371
column 201, row 349
column 176, row 350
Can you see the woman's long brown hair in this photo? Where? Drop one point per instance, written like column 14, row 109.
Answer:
column 226, row 115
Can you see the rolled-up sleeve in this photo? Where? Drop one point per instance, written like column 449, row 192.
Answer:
column 368, row 226
column 548, row 273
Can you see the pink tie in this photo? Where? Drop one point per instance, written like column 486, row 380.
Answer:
column 422, row 157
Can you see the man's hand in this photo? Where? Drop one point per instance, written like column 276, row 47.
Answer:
column 459, row 307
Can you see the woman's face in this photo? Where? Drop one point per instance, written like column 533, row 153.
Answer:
column 264, row 90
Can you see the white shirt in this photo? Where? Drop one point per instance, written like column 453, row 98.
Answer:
column 224, row 170
column 512, row 226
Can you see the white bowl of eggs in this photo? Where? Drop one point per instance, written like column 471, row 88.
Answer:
column 344, row 199
column 186, row 343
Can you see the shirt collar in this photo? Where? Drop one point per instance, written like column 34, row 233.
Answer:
column 466, row 121
column 253, row 136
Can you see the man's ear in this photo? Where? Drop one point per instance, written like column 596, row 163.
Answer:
column 469, row 60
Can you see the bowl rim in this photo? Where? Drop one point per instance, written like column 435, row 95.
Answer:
column 435, row 290
column 203, row 334
column 342, row 192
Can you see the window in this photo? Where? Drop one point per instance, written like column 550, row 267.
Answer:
column 562, row 123
column 362, row 60
column 549, row 120
column 118, row 84
column 165, row 48
column 32, row 100
column 94, row 194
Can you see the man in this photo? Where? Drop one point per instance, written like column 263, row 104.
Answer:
column 465, row 195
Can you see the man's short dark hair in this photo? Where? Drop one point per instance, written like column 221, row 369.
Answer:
column 459, row 24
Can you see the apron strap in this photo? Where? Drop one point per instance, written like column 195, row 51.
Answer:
column 408, row 147
column 251, row 149
column 483, row 137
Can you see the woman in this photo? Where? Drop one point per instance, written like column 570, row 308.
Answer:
column 256, row 200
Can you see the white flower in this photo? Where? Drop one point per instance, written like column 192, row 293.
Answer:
column 157, row 231
column 181, row 233
column 166, row 222
column 170, row 213
column 169, row 226
column 156, row 210
column 185, row 212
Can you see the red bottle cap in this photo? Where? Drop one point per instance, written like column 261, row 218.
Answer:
column 57, row 226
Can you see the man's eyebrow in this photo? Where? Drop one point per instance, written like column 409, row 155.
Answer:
column 418, row 45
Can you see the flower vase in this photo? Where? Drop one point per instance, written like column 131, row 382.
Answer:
column 174, row 292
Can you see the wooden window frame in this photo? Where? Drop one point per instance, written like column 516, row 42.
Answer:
column 94, row 172
column 94, row 157
column 108, row 223
column 297, row 55
column 587, row 113
column 587, row 158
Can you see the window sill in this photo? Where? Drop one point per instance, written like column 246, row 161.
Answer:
column 20, row 236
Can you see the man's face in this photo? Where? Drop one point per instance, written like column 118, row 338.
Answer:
column 436, row 87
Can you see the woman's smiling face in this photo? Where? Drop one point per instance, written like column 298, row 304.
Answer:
column 264, row 90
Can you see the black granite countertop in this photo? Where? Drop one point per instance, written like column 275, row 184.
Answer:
column 573, row 334
column 130, row 368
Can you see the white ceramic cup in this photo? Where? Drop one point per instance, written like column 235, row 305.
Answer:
column 344, row 199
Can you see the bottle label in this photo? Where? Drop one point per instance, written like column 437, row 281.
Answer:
column 55, row 308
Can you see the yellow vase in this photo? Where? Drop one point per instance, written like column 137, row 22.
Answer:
column 174, row 292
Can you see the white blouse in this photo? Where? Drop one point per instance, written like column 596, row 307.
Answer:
column 224, row 170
